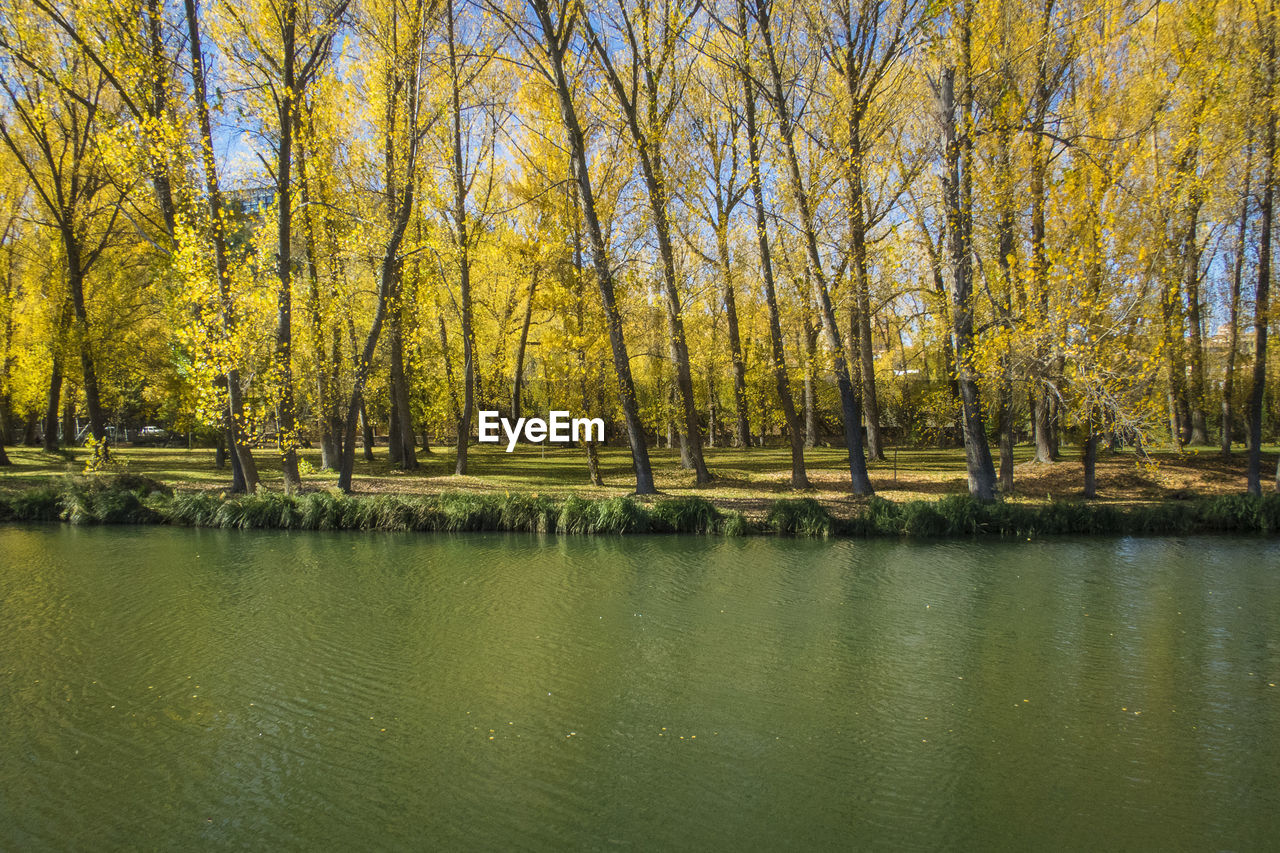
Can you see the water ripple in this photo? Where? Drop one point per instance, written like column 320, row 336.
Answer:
column 212, row 689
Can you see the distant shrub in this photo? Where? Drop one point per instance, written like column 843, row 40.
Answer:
column 962, row 515
column 799, row 517
column 528, row 513
column 1162, row 518
column 98, row 501
column 619, row 515
column 250, row 511
column 734, row 523
column 1244, row 513
column 922, row 518
column 132, row 499
column 321, row 511
column 468, row 511
column 385, row 512
column 139, row 484
column 684, row 515
column 43, row 503
column 194, row 509
column 1269, row 514
column 883, row 518
column 574, row 516
column 609, row 515
column 1064, row 517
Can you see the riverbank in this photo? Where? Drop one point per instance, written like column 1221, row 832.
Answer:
column 132, row 499
column 748, row 481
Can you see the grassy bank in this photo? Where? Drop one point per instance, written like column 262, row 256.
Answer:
column 131, row 499
column 748, row 481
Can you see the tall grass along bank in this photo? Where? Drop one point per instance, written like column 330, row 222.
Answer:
column 129, row 499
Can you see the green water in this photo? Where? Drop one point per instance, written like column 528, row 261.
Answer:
column 180, row 690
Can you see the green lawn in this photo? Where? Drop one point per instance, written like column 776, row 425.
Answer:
column 745, row 479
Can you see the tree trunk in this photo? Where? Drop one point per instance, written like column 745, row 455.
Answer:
column 325, row 388
column 1089, row 454
column 742, row 426
column 1006, row 427
column 235, row 402
column 673, row 428
column 4, row 432
column 1055, row 412
column 468, row 378
column 228, row 439
column 157, row 107
column 948, row 346
column 1042, row 375
column 284, row 245
column 8, row 434
column 394, row 450
column 1040, row 400
column 810, row 382
column 1042, row 424
column 399, row 208
column 335, row 412
column 781, row 380
column 1233, row 302
column 1197, row 433
column 367, row 438
column 958, row 192
column 649, row 151
column 401, row 437
column 462, row 245
column 388, row 286
column 579, row 304
column 1262, row 297
column 1005, row 189
column 69, row 416
column 593, row 464
column 850, row 405
column 1199, row 425
column 51, row 406
column 861, row 308
column 593, row 456
column 75, row 283
column 1171, row 313
column 517, row 376
column 713, row 407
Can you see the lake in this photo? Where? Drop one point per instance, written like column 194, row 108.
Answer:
column 197, row 689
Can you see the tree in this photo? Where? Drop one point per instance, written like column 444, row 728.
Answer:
column 647, row 82
column 1265, row 17
column 218, row 221
column 715, row 124
column 56, row 139
column 474, row 124
column 399, row 30
column 743, row 67
column 862, row 42
column 955, row 116
column 781, row 103
column 1233, row 301
column 13, row 193
column 546, row 38
column 283, row 46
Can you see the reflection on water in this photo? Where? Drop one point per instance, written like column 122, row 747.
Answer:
column 179, row 689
